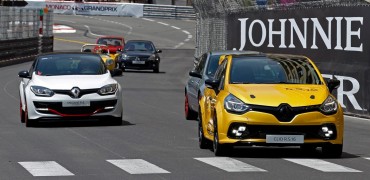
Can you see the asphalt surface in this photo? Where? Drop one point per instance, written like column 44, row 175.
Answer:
column 155, row 140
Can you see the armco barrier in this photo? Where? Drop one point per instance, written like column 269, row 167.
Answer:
column 334, row 34
column 169, row 12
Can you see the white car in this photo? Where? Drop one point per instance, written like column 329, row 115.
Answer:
column 62, row 86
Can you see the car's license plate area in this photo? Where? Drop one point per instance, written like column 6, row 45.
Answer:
column 285, row 139
column 79, row 103
column 138, row 62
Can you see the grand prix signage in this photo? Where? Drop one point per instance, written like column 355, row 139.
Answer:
column 336, row 38
column 110, row 9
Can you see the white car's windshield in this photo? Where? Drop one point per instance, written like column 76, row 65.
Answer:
column 69, row 64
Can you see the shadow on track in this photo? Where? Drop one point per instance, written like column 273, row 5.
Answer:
column 280, row 152
column 78, row 123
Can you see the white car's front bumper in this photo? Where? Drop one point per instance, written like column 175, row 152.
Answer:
column 52, row 107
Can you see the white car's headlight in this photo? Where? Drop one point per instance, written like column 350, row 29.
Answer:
column 330, row 106
column 42, row 91
column 108, row 89
column 234, row 105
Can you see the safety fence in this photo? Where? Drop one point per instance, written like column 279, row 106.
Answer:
column 334, row 34
column 24, row 33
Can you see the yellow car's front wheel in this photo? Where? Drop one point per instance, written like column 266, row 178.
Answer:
column 219, row 149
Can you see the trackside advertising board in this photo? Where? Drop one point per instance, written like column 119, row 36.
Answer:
column 337, row 39
column 67, row 7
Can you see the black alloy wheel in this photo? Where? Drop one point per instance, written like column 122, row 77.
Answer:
column 204, row 143
column 218, row 149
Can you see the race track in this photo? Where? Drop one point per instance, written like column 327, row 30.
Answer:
column 155, row 141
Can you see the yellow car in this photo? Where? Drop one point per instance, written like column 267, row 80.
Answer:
column 103, row 51
column 270, row 100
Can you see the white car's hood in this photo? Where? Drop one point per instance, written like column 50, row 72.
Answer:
column 67, row 82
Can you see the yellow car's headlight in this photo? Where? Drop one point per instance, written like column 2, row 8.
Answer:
column 330, row 106
column 234, row 105
column 109, row 62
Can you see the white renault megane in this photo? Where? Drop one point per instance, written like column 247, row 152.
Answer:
column 62, row 86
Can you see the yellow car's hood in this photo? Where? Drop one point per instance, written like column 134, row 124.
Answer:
column 275, row 94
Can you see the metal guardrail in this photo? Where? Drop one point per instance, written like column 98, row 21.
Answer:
column 168, row 12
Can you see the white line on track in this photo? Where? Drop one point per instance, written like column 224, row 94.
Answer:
column 176, row 27
column 163, row 23
column 186, row 32
column 368, row 158
column 356, row 118
column 322, row 165
column 137, row 166
column 45, row 168
column 151, row 20
column 67, row 21
column 122, row 24
column 186, row 40
column 89, row 31
column 180, row 44
column 190, row 36
column 7, row 92
column 230, row 165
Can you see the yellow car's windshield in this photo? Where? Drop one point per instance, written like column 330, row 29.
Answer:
column 270, row 70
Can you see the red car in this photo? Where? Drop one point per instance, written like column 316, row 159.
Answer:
column 114, row 43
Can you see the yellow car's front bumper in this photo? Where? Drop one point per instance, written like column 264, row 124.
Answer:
column 260, row 124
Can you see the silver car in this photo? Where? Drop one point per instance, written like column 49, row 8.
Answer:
column 205, row 68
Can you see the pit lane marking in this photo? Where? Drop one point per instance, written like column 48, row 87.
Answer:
column 137, row 166
column 229, row 164
column 322, row 165
column 45, row 168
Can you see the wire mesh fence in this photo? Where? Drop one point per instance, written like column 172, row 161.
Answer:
column 211, row 26
column 21, row 23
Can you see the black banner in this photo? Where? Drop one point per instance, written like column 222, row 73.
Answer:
column 337, row 39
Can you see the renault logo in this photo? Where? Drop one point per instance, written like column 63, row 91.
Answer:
column 75, row 92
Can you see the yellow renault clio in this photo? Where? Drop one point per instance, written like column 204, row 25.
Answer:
column 270, row 100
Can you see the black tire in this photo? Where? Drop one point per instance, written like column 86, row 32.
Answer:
column 117, row 121
column 307, row 148
column 190, row 114
column 204, row 143
column 156, row 68
column 22, row 113
column 332, row 150
column 219, row 149
column 31, row 122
